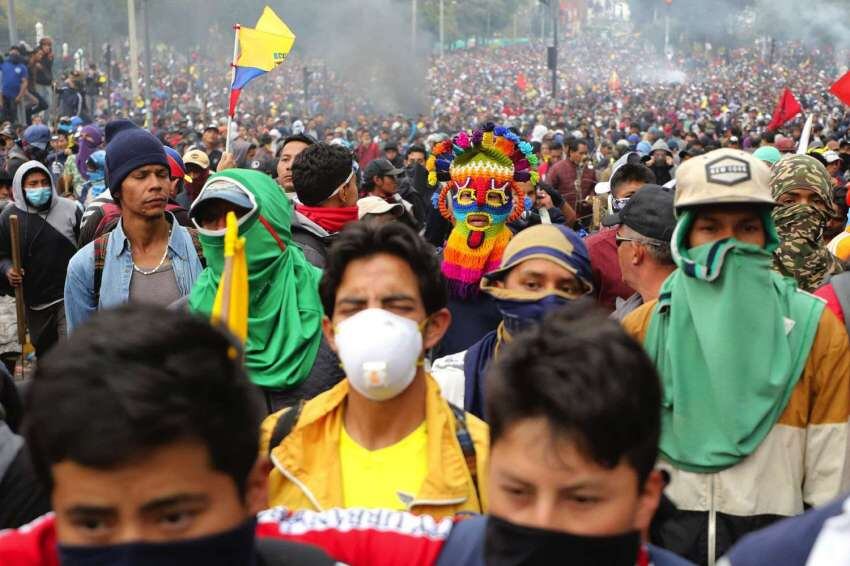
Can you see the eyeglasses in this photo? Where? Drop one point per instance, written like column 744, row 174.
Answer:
column 620, row 239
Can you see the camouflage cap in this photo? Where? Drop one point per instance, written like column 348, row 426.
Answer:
column 723, row 176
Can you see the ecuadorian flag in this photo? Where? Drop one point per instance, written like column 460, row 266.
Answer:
column 261, row 49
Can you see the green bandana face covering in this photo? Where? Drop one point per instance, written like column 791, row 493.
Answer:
column 284, row 313
column 730, row 338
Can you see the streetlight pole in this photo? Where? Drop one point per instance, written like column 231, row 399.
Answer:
column 148, row 71
column 134, row 51
column 556, row 13
column 413, row 24
column 13, row 27
column 442, row 27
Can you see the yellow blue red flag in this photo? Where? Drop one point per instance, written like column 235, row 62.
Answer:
column 231, row 299
column 261, row 49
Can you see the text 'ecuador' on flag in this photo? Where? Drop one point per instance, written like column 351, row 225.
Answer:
column 261, row 49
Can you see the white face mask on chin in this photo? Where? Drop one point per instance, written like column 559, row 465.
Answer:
column 379, row 351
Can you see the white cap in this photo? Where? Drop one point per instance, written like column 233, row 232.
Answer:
column 377, row 205
column 831, row 156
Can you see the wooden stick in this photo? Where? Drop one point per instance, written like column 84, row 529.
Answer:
column 20, row 306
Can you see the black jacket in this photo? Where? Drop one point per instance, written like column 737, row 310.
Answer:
column 48, row 240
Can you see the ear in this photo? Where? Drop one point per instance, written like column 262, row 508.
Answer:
column 638, row 254
column 648, row 500
column 256, row 487
column 328, row 331
column 435, row 329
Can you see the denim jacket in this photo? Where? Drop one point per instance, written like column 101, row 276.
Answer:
column 118, row 270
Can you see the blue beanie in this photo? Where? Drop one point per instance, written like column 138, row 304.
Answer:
column 129, row 147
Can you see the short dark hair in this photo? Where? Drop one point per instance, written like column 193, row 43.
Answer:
column 554, row 144
column 360, row 240
column 591, row 382
column 574, row 143
column 631, row 172
column 137, row 378
column 319, row 170
column 769, row 137
column 303, row 138
column 416, row 148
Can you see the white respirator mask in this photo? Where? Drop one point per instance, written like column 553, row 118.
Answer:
column 379, row 352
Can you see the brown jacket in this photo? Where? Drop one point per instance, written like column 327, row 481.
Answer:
column 562, row 176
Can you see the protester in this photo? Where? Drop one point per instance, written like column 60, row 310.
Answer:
column 787, row 447
column 41, row 69
column 15, row 82
column 284, row 354
column 585, row 493
column 572, row 177
column 289, row 150
column 198, row 168
column 646, row 224
column 801, row 186
column 75, row 172
column 377, row 210
column 542, row 269
column 367, row 150
column 628, row 177
column 325, row 183
column 33, row 146
column 170, row 476
column 383, row 437
column 148, row 257
column 481, row 183
column 49, row 226
column 661, row 162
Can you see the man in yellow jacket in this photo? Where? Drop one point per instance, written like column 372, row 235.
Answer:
column 755, row 372
column 383, row 437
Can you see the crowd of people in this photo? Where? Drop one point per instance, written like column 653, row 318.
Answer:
column 605, row 327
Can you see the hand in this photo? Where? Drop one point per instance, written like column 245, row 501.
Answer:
column 669, row 161
column 544, row 200
column 15, row 278
column 228, row 161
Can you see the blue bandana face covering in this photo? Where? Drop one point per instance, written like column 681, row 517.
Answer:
column 230, row 548
column 519, row 315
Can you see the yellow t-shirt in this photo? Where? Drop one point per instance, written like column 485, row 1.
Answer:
column 388, row 478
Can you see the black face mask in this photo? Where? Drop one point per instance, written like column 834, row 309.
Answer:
column 508, row 544
column 230, row 548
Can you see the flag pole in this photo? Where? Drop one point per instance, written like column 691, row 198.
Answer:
column 232, row 80
column 807, row 134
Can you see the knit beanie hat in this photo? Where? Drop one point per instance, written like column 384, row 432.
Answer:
column 129, row 147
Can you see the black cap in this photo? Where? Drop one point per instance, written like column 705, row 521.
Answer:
column 390, row 145
column 649, row 212
column 381, row 168
column 690, row 152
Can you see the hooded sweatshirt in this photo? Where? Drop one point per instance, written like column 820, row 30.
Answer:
column 48, row 240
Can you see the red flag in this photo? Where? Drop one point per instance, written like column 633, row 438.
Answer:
column 841, row 88
column 521, row 81
column 787, row 107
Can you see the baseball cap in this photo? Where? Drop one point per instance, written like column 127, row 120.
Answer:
column 8, row 132
column 263, row 164
column 723, row 176
column 377, row 205
column 391, row 145
column 175, row 165
column 221, row 189
column 649, row 212
column 381, row 168
column 196, row 157
column 785, row 145
column 768, row 154
column 38, row 136
column 831, row 156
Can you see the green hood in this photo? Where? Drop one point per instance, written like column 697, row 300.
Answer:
column 284, row 312
column 730, row 338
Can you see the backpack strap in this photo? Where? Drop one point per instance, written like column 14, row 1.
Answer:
column 100, row 245
column 841, row 286
column 284, row 425
column 467, row 446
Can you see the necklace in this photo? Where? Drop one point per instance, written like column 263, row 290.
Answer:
column 137, row 269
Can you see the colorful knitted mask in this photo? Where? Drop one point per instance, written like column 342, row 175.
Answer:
column 479, row 172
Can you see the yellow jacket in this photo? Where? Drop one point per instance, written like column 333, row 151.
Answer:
column 307, row 473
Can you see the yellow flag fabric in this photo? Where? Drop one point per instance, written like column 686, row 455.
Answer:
column 267, row 45
column 231, row 300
